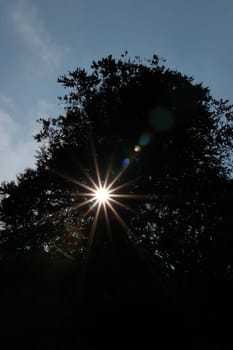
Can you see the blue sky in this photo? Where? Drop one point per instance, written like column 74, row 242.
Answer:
column 42, row 39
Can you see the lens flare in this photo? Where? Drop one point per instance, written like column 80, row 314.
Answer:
column 125, row 162
column 102, row 195
column 137, row 148
column 145, row 139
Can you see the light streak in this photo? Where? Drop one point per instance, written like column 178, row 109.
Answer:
column 102, row 194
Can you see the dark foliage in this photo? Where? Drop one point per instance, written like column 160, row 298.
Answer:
column 176, row 262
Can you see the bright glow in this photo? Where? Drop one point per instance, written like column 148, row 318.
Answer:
column 105, row 197
column 102, row 195
column 137, row 148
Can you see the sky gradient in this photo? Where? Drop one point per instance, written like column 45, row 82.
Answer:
column 41, row 40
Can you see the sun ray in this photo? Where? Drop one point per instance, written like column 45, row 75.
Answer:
column 90, row 208
column 133, row 196
column 101, row 194
column 107, row 175
column 93, row 227
column 118, row 217
column 89, row 177
column 126, row 207
column 81, row 184
column 85, row 194
column 125, row 184
column 107, row 221
column 73, row 180
column 80, row 205
column 95, row 163
column 116, row 179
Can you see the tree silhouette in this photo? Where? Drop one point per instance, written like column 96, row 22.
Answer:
column 175, row 142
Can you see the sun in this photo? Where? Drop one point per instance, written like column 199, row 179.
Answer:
column 102, row 195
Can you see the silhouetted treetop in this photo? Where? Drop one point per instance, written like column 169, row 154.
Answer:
column 121, row 99
column 168, row 130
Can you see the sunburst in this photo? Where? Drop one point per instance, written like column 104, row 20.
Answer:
column 102, row 195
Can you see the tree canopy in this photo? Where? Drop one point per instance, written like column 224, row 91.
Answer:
column 171, row 140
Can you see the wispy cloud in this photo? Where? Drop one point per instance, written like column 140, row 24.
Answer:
column 32, row 31
column 5, row 101
column 15, row 154
column 6, row 124
column 17, row 146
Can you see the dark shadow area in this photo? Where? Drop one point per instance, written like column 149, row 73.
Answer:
column 151, row 267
